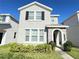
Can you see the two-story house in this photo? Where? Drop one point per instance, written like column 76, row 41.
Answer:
column 37, row 25
column 8, row 29
column 73, row 31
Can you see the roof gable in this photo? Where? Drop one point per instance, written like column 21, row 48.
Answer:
column 37, row 3
column 10, row 16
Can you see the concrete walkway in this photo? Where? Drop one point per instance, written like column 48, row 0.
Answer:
column 63, row 54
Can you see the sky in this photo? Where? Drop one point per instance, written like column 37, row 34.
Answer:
column 64, row 8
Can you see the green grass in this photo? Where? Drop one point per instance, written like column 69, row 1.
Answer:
column 6, row 54
column 74, row 53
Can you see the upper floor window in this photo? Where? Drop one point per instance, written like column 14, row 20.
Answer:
column 30, row 15
column 2, row 18
column 39, row 15
column 34, row 15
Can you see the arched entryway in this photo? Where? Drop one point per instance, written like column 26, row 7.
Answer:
column 57, row 37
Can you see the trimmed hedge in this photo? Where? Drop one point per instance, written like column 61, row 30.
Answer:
column 21, row 48
column 42, row 48
column 67, row 46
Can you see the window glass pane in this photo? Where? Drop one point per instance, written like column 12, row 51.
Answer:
column 27, row 34
column 27, row 38
column 2, row 18
column 34, row 32
column 34, row 38
column 31, row 15
column 41, row 32
column 41, row 37
column 34, row 35
column 38, row 15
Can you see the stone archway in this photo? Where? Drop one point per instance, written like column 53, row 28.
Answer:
column 57, row 37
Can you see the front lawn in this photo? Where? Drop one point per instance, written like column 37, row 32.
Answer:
column 5, row 53
column 74, row 53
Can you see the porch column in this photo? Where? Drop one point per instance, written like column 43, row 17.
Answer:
column 57, row 39
column 62, row 38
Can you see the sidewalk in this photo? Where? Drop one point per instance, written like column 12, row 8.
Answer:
column 63, row 54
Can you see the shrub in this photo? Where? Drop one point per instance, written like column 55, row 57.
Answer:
column 52, row 44
column 21, row 48
column 10, row 55
column 43, row 48
column 15, row 47
column 3, row 55
column 18, row 56
column 29, row 48
column 67, row 46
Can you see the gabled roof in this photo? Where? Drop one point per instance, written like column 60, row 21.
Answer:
column 10, row 16
column 77, row 12
column 37, row 3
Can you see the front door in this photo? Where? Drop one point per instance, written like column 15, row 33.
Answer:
column 57, row 38
column 1, row 35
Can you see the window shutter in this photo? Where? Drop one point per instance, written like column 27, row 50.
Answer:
column 43, row 15
column 14, row 34
column 27, row 15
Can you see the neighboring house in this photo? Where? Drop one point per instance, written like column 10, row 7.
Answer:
column 73, row 31
column 8, row 29
column 38, row 26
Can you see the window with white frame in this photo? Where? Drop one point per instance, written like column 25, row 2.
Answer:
column 41, row 35
column 34, row 15
column 2, row 18
column 38, row 15
column 31, row 15
column 27, row 34
column 34, row 35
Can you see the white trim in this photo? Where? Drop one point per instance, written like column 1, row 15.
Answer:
column 21, row 8
column 29, row 36
column 78, row 17
column 55, row 15
column 58, row 26
column 78, row 11
column 34, row 15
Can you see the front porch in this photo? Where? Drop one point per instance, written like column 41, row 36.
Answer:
column 57, row 34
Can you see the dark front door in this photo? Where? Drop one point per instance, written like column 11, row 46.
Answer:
column 1, row 34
